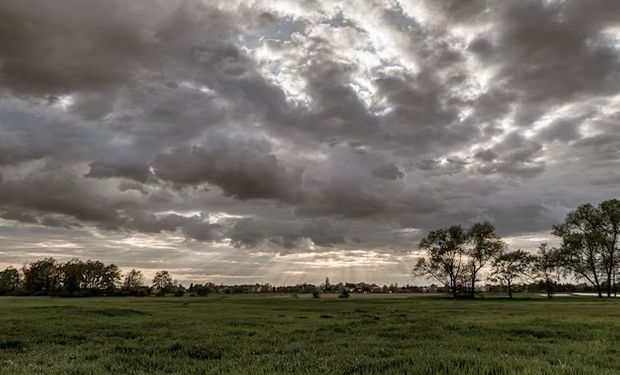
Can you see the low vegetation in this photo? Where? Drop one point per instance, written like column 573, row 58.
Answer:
column 283, row 335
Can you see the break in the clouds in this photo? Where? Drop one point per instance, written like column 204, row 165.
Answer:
column 293, row 140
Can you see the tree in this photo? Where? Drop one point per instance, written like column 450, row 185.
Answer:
column 584, row 252
column 94, row 276
column 201, row 290
column 610, row 218
column 590, row 237
column 72, row 275
column 446, row 258
column 9, row 281
column 42, row 276
column 110, row 277
column 545, row 266
column 133, row 279
column 509, row 266
column 485, row 245
column 162, row 281
column 179, row 291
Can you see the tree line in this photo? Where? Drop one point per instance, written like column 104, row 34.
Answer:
column 80, row 278
column 455, row 256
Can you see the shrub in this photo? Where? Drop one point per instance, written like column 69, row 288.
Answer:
column 180, row 292
column 316, row 293
column 202, row 290
column 136, row 292
column 344, row 293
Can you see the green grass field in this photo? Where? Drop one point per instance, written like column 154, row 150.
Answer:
column 285, row 335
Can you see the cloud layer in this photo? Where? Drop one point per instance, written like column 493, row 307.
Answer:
column 262, row 131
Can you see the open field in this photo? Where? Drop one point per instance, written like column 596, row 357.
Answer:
column 271, row 335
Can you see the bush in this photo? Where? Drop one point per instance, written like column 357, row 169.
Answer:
column 202, row 291
column 135, row 292
column 180, row 292
column 316, row 293
column 344, row 293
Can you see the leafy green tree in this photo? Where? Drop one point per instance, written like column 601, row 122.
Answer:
column 510, row 266
column 545, row 266
column 93, row 276
column 484, row 245
column 133, row 279
column 201, row 290
column 72, row 275
column 179, row 291
column 42, row 276
column 328, row 285
column 446, row 257
column 110, row 277
column 162, row 281
column 583, row 248
column 9, row 281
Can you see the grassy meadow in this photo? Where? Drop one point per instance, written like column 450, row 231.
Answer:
column 287, row 335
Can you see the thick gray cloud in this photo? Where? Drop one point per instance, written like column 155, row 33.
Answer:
column 315, row 129
column 252, row 232
column 242, row 169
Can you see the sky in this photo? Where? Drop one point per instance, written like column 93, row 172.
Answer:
column 288, row 141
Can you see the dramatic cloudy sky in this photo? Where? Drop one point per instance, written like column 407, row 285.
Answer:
column 285, row 141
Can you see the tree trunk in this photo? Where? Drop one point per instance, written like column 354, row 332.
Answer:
column 597, row 284
column 473, row 285
column 509, row 290
column 610, row 274
column 548, row 285
column 615, row 288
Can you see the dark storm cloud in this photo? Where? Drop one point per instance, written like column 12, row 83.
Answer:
column 419, row 116
column 242, row 169
column 548, row 53
column 19, row 216
column 388, row 172
column 556, row 50
column 68, row 46
column 338, row 109
column 99, row 169
column 564, row 129
column 252, row 232
column 302, row 127
column 514, row 156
